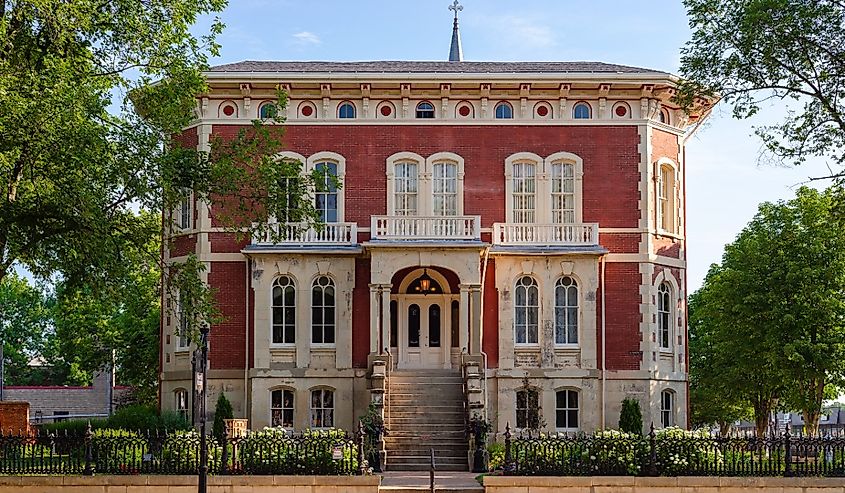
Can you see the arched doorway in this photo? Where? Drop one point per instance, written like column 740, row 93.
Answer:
column 423, row 320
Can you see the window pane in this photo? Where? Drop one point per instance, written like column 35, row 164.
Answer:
column 414, row 326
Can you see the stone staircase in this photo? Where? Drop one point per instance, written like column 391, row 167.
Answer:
column 426, row 411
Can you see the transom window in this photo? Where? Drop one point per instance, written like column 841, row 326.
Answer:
column 667, row 408
column 425, row 110
column 346, row 110
column 664, row 315
column 563, row 193
column 566, row 311
column 581, row 111
column 527, row 308
column 323, row 311
column 527, row 409
column 181, row 396
column 281, row 408
column 524, row 192
column 284, row 311
column 566, row 409
column 325, row 196
column 445, row 189
column 267, row 110
column 405, row 188
column 322, row 408
column 504, row 110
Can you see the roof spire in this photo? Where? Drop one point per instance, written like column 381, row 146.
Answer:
column 455, row 52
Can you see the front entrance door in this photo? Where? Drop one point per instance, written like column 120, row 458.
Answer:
column 423, row 336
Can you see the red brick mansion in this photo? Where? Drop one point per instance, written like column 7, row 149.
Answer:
column 509, row 239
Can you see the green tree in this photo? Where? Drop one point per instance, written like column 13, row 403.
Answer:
column 789, row 53
column 222, row 412
column 24, row 327
column 631, row 417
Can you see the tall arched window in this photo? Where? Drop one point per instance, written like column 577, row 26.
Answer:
column 527, row 311
column 566, row 311
column 425, row 110
column 325, row 196
column 563, row 193
column 581, row 111
column 527, row 409
column 664, row 314
column 267, row 110
column 666, row 198
column 667, row 408
column 346, row 110
column 281, row 408
column 323, row 311
column 405, row 188
column 322, row 408
column 566, row 410
column 284, row 311
column 504, row 110
column 181, row 398
column 524, row 192
column 445, row 189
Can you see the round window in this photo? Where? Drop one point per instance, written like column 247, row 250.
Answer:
column 543, row 111
column 228, row 110
column 386, row 110
column 621, row 110
column 464, row 110
column 307, row 110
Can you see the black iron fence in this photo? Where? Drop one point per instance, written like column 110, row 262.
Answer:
column 271, row 451
column 673, row 452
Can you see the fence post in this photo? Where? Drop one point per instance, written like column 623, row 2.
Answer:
column 89, row 434
column 224, row 457
column 509, row 469
column 787, row 471
column 652, row 451
column 362, row 464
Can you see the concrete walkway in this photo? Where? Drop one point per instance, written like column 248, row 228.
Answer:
column 418, row 481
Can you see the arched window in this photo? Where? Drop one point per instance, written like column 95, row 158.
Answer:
column 405, row 188
column 445, row 189
column 566, row 410
column 664, row 314
column 666, row 198
column 267, row 110
column 346, row 110
column 325, row 196
column 425, row 110
column 581, row 111
column 566, row 311
column 322, row 311
column 181, row 402
column 664, row 116
column 527, row 409
column 322, row 408
column 667, row 408
column 524, row 192
column 281, row 408
column 284, row 311
column 504, row 110
column 527, row 311
column 563, row 193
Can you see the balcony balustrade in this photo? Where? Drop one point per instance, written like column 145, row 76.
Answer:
column 528, row 234
column 426, row 228
column 303, row 234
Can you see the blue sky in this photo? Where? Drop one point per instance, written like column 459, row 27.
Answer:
column 725, row 182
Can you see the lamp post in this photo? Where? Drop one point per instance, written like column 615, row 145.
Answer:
column 201, row 380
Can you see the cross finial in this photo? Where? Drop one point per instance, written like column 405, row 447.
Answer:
column 456, row 7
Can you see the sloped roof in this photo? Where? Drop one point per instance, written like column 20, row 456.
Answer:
column 401, row 67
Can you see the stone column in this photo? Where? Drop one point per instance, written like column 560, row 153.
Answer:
column 463, row 313
column 385, row 317
column 475, row 319
column 375, row 294
column 303, row 326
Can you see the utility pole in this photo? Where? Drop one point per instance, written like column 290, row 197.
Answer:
column 201, row 380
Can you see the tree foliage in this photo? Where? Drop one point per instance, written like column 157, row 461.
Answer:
column 767, row 325
column 631, row 417
column 785, row 53
column 222, row 412
column 24, row 327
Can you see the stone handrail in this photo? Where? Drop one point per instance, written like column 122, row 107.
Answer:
column 576, row 234
column 426, row 227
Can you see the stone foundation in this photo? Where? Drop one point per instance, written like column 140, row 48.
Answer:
column 617, row 484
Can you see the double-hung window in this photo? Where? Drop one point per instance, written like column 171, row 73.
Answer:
column 284, row 311
column 566, row 311
column 664, row 315
column 527, row 409
column 526, row 311
column 406, row 188
column 323, row 311
column 563, row 193
column 322, row 408
column 325, row 196
column 445, row 189
column 281, row 408
column 566, row 410
column 524, row 192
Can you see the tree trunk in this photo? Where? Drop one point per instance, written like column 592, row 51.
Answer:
column 724, row 428
column 813, row 410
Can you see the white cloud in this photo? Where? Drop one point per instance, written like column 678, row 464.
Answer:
column 306, row 38
column 517, row 35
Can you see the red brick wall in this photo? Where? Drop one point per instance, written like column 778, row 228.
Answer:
column 228, row 337
column 361, row 313
column 664, row 144
column 227, row 242
column 610, row 154
column 667, row 247
column 620, row 242
column 14, row 418
column 622, row 307
column 183, row 245
column 491, row 316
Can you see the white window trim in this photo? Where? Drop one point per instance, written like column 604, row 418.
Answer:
column 327, row 156
column 270, row 407
column 674, row 196
column 425, row 187
column 177, row 223
column 578, row 286
column 674, row 295
column 543, row 185
column 296, row 322
column 672, row 408
column 522, row 345
column 518, row 158
column 321, row 345
column 187, row 409
column 569, row 389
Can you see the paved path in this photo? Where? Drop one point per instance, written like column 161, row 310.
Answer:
column 418, row 480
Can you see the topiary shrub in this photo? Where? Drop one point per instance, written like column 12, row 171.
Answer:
column 222, row 412
column 631, row 417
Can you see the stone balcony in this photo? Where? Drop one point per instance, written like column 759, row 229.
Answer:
column 428, row 228
column 329, row 234
column 527, row 234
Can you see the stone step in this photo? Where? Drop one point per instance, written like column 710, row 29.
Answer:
column 425, row 489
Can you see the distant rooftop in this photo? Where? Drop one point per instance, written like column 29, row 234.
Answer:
column 410, row 67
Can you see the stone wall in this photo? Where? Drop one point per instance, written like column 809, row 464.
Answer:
column 186, row 484
column 617, row 484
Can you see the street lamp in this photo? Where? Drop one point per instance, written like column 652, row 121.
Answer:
column 201, row 379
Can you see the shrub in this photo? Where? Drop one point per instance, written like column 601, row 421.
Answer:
column 680, row 450
column 496, row 451
column 118, row 451
column 130, row 418
column 74, row 427
column 614, row 452
column 273, row 451
column 180, row 453
column 222, row 412
column 134, row 418
column 631, row 417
